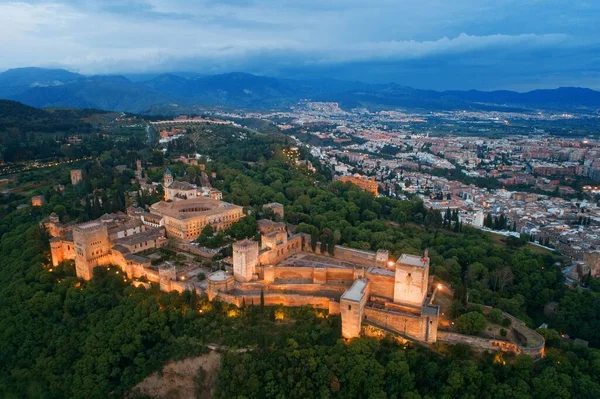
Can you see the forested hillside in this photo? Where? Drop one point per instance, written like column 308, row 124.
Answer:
column 28, row 133
column 60, row 337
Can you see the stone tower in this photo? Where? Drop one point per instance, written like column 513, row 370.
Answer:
column 245, row 259
column 76, row 176
column 92, row 248
column 167, row 179
column 411, row 280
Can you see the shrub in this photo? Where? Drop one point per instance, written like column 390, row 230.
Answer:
column 506, row 322
column 503, row 332
column 477, row 308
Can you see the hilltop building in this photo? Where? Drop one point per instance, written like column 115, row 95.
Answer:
column 365, row 287
column 112, row 239
column 38, row 200
column 366, row 183
column 185, row 219
column 76, row 176
column 177, row 190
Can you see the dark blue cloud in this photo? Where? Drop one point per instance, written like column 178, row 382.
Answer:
column 424, row 43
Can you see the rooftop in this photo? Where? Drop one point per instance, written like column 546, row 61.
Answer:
column 411, row 260
column 357, row 291
column 219, row 275
column 191, row 208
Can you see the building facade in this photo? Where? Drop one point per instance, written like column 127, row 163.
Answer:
column 185, row 219
column 366, row 183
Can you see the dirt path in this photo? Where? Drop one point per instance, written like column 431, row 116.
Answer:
column 179, row 380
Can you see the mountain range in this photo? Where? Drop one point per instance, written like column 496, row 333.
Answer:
column 176, row 93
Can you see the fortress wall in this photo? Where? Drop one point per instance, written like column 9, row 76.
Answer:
column 336, row 274
column 152, row 275
column 357, row 256
column 334, row 307
column 138, row 271
column 478, row 343
column 382, row 286
column 273, row 299
column 291, row 272
column 320, row 275
column 379, row 333
column 412, row 325
column 360, row 257
column 61, row 251
column 308, row 288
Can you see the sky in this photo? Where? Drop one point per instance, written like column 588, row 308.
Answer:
column 431, row 44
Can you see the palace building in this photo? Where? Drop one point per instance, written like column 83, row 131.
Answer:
column 178, row 190
column 117, row 238
column 112, row 239
column 185, row 219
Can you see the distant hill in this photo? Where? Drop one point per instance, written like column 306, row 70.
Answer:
column 15, row 116
column 59, row 88
column 14, row 81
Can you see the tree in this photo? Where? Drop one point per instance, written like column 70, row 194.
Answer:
column 496, row 316
column 314, row 239
column 471, row 323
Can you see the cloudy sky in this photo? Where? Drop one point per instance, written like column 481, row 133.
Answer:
column 438, row 44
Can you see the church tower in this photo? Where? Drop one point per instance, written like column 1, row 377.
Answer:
column 167, row 179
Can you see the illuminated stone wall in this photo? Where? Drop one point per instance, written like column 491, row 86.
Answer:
column 416, row 326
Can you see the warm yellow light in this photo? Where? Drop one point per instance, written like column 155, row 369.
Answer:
column 390, row 263
column 439, row 286
column 279, row 315
column 498, row 359
column 50, row 270
column 232, row 313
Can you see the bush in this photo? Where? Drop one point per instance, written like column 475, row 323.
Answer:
column 477, row 308
column 503, row 332
column 496, row 316
column 201, row 276
column 506, row 322
column 471, row 323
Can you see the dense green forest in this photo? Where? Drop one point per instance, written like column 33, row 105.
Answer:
column 63, row 338
column 28, row 133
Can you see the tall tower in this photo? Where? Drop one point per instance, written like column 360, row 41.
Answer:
column 92, row 248
column 412, row 278
column 245, row 259
column 76, row 176
column 167, row 181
